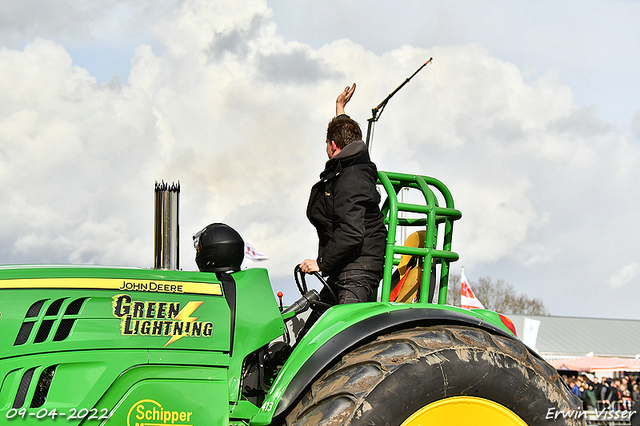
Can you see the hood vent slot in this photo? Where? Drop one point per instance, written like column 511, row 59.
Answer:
column 43, row 331
column 54, row 307
column 64, row 329
column 49, row 321
column 74, row 307
column 23, row 388
column 23, row 334
column 34, row 310
column 42, row 388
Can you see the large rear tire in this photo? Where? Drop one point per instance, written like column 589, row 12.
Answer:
column 439, row 375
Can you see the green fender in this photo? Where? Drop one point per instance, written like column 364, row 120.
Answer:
column 344, row 327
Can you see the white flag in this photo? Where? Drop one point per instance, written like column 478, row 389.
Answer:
column 467, row 299
column 252, row 254
column 530, row 334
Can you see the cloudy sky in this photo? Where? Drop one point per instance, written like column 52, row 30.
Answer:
column 529, row 112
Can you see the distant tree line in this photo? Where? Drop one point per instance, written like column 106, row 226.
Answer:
column 499, row 296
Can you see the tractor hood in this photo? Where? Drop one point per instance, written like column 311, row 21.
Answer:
column 46, row 309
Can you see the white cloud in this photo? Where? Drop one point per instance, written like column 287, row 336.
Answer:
column 237, row 115
column 625, row 275
column 79, row 20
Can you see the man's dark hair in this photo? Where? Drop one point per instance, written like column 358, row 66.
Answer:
column 343, row 130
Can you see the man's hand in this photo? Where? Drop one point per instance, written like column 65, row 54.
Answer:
column 309, row 265
column 343, row 98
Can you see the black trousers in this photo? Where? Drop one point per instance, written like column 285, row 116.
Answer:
column 350, row 286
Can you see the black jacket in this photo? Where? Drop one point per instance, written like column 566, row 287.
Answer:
column 344, row 208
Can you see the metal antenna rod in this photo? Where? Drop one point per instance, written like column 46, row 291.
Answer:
column 377, row 111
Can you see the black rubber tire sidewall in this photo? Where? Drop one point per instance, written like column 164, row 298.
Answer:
column 386, row 381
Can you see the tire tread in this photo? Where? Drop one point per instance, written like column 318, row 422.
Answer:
column 385, row 359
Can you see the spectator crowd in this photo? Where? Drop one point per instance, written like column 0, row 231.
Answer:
column 604, row 393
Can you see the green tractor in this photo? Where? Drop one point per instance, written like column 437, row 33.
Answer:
column 140, row 347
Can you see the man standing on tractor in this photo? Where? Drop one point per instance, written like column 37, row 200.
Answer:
column 344, row 209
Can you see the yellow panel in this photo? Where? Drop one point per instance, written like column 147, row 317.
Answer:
column 175, row 287
column 464, row 410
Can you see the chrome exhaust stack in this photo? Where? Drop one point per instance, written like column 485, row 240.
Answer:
column 167, row 229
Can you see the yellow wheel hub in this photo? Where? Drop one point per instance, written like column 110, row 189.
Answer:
column 464, row 410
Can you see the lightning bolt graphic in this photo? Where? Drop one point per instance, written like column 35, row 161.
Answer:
column 185, row 316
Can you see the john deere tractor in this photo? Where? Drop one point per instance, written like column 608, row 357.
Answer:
column 88, row 345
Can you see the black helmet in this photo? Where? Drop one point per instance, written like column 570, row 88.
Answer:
column 219, row 248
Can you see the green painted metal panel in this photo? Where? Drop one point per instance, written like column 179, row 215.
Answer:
column 335, row 321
